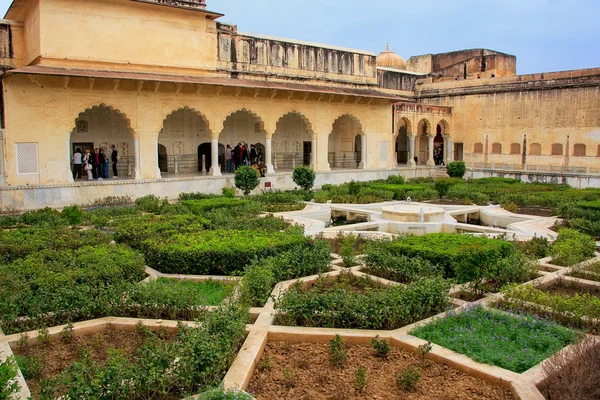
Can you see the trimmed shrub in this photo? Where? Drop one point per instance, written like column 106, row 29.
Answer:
column 468, row 195
column 246, row 179
column 456, row 169
column 221, row 252
column 333, row 303
column 44, row 218
column 228, row 192
column 73, row 214
column 149, row 203
column 442, row 185
column 446, row 250
column 572, row 247
column 395, row 179
column 400, row 268
column 200, row 207
column 304, row 177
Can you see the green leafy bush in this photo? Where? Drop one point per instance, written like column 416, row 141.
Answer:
column 73, row 214
column 456, row 169
column 408, row 378
column 572, row 247
column 538, row 247
column 442, row 185
column 395, row 179
column 133, row 232
column 445, row 250
column 467, row 195
column 380, row 261
column 8, row 379
column 44, row 218
column 55, row 287
column 19, row 243
column 516, row 343
column 262, row 276
column 357, row 303
column 304, row 177
column 246, row 179
column 221, row 252
column 200, row 207
column 149, row 203
column 347, row 252
column 228, row 192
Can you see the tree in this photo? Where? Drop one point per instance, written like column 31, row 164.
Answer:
column 246, row 179
column 304, row 177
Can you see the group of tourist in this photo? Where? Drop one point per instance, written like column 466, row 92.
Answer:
column 242, row 155
column 95, row 164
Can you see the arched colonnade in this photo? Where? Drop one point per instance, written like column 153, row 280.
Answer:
column 422, row 143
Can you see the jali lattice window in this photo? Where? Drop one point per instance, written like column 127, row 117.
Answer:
column 477, row 148
column 496, row 148
column 27, row 158
column 515, row 148
column 535, row 149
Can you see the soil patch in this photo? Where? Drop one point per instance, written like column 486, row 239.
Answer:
column 304, row 371
column 537, row 211
column 469, row 296
column 59, row 354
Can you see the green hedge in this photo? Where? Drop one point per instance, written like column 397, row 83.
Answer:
column 220, row 252
column 445, row 250
column 199, row 207
column 19, row 243
column 71, row 284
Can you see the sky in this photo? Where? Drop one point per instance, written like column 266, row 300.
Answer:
column 545, row 35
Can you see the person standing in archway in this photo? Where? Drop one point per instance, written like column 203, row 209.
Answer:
column 114, row 158
column 228, row 159
column 77, row 164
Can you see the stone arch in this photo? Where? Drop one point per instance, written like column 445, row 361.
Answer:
column 496, row 148
column 403, row 129
column 243, row 127
column 477, row 148
column 342, row 149
column 101, row 126
column 556, row 149
column 579, row 150
column 443, row 127
column 183, row 130
column 515, row 148
column 292, row 141
column 535, row 149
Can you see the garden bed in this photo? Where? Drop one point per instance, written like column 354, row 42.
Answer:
column 590, row 272
column 304, row 371
column 348, row 301
column 513, row 342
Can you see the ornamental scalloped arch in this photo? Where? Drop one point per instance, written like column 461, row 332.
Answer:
column 257, row 118
column 298, row 114
column 424, row 127
column 444, row 127
column 399, row 122
column 186, row 108
column 101, row 106
column 353, row 118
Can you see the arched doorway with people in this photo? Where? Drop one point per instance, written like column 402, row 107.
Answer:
column 345, row 147
column 98, row 131
column 244, row 132
column 179, row 140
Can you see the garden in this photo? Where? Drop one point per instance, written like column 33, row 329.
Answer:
column 152, row 299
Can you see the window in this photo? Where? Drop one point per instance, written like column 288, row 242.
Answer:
column 478, row 148
column 27, row 158
column 82, row 126
column 579, row 150
column 496, row 148
column 515, row 148
column 598, row 153
column 557, row 149
column 535, row 149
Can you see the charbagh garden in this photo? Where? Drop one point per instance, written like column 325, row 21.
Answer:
column 220, row 297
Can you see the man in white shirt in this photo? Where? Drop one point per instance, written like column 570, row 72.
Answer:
column 77, row 165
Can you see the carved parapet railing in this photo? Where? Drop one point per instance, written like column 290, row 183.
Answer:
column 193, row 4
column 403, row 107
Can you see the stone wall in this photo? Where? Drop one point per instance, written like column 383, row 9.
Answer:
column 541, row 119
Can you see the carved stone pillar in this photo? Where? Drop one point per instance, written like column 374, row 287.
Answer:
column 215, row 169
column 158, row 173
column 363, row 152
column 69, row 160
column 268, row 149
column 448, row 149
column 411, row 151
column 313, row 152
column 136, row 167
column 430, row 161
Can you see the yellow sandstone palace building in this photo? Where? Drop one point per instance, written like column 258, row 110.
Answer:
column 171, row 87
